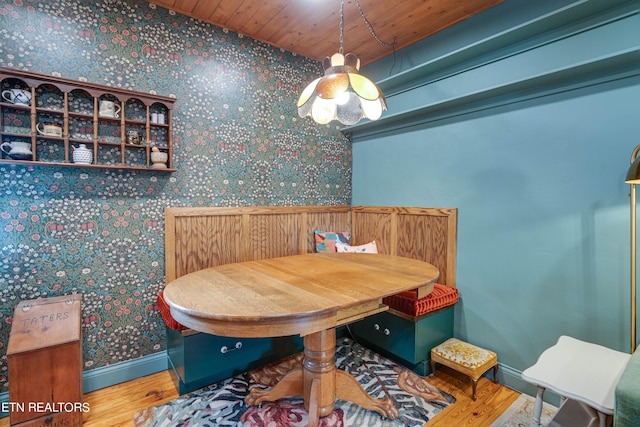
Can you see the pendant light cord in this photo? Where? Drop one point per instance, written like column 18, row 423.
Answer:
column 342, row 27
column 370, row 27
column 367, row 23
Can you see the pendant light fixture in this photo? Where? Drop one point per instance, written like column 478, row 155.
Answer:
column 343, row 93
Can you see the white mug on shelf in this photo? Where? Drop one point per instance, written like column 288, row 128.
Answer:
column 109, row 109
column 160, row 118
column 49, row 129
column 154, row 117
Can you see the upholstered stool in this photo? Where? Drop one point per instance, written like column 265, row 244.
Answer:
column 465, row 358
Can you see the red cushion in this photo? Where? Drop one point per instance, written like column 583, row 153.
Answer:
column 407, row 302
column 165, row 312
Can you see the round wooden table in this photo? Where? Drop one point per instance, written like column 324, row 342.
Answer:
column 308, row 295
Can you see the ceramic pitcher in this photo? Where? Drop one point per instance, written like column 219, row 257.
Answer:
column 17, row 150
column 109, row 109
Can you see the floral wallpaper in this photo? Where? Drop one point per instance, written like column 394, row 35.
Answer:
column 100, row 233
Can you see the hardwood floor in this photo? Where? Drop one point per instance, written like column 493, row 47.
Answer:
column 115, row 406
column 493, row 399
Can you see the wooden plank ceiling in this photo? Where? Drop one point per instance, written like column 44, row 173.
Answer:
column 311, row 28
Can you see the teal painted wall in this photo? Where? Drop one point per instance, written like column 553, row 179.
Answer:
column 524, row 118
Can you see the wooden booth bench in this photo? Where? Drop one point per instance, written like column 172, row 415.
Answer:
column 198, row 238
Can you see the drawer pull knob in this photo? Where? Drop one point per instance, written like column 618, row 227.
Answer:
column 376, row 327
column 225, row 349
column 387, row 331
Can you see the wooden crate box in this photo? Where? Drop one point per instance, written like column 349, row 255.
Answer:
column 45, row 362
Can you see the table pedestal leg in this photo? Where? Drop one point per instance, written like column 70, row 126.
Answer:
column 350, row 389
column 319, row 373
column 289, row 385
column 320, row 383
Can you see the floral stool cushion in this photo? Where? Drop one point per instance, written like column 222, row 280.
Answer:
column 465, row 358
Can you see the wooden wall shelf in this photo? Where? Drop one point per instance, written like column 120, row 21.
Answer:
column 124, row 138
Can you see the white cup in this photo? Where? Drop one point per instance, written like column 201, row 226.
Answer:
column 154, row 117
column 160, row 118
column 49, row 129
column 109, row 109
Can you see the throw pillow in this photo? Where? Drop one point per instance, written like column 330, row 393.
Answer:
column 370, row 248
column 326, row 240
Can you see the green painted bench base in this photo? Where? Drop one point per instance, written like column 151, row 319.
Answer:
column 198, row 359
column 405, row 341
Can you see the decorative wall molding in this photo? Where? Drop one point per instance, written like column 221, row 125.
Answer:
column 600, row 70
column 532, row 59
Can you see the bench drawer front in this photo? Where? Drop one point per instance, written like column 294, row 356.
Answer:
column 384, row 330
column 405, row 341
column 200, row 359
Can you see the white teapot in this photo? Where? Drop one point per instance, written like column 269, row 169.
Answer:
column 18, row 150
column 17, row 96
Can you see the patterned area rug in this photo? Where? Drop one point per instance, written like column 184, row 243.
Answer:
column 520, row 412
column 222, row 403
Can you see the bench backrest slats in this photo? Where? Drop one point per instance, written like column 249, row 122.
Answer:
column 197, row 238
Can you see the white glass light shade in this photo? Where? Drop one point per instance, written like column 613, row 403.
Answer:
column 323, row 110
column 341, row 94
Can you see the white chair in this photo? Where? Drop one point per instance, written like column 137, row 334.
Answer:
column 585, row 376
